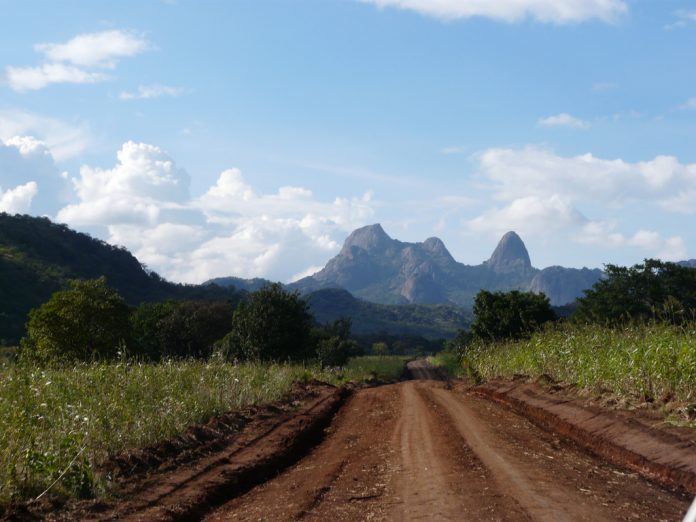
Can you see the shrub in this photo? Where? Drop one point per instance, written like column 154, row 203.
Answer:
column 509, row 315
column 271, row 324
column 90, row 321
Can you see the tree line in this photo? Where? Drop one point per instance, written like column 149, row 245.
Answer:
column 650, row 291
column 91, row 321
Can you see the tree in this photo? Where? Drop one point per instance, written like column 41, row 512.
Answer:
column 89, row 321
column 180, row 328
column 653, row 289
column 333, row 343
column 271, row 324
column 509, row 315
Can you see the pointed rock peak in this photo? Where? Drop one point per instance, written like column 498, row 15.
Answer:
column 368, row 238
column 510, row 254
column 435, row 245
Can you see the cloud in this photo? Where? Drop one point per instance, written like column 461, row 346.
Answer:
column 531, row 170
column 102, row 49
column 689, row 105
column 564, row 120
column 684, row 17
column 18, row 200
column 64, row 140
column 549, row 11
column 541, row 192
column 529, row 215
column 69, row 62
column 35, row 78
column 144, row 203
column 602, row 234
column 27, row 164
column 147, row 92
column 604, row 87
column 144, row 183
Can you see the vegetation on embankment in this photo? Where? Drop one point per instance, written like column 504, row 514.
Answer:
column 649, row 362
column 69, row 420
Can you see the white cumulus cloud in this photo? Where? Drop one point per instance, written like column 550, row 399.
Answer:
column 550, row 11
column 540, row 193
column 143, row 203
column 18, row 199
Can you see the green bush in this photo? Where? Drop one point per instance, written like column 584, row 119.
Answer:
column 270, row 325
column 90, row 321
column 509, row 315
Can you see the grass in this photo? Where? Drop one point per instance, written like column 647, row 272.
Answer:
column 71, row 419
column 378, row 367
column 449, row 361
column 653, row 362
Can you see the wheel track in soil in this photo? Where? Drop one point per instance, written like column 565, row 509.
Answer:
column 416, row 450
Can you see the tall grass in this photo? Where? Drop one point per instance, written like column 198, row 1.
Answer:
column 379, row 367
column 653, row 361
column 71, row 419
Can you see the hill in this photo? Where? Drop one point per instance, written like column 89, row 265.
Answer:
column 429, row 321
column 373, row 266
column 38, row 257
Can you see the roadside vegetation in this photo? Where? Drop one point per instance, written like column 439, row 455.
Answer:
column 94, row 377
column 632, row 337
column 56, row 420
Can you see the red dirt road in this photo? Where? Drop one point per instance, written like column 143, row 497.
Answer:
column 420, row 451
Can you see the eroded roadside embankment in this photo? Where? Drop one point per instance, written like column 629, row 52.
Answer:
column 273, row 438
column 665, row 456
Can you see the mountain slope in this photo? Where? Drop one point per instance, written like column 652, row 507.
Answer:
column 373, row 266
column 429, row 321
column 38, row 257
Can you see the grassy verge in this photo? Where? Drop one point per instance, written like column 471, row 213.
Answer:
column 379, row 367
column 53, row 420
column 655, row 362
column 450, row 362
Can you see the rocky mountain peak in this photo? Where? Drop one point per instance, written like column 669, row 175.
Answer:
column 371, row 237
column 510, row 255
column 434, row 245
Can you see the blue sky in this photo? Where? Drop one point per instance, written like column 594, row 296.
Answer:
column 249, row 138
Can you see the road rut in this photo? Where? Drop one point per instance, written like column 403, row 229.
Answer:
column 418, row 450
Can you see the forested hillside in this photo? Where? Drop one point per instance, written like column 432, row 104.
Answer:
column 38, row 257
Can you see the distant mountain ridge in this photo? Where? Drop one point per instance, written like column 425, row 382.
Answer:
column 373, row 266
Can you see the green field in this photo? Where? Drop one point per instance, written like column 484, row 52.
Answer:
column 652, row 362
column 55, row 421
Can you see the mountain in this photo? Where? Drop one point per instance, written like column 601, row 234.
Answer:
column 429, row 321
column 38, row 257
column 373, row 266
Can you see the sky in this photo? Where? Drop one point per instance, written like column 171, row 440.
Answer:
column 249, row 138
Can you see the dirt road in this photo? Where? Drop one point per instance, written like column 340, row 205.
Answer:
column 418, row 450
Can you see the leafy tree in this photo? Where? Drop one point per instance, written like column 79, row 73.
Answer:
column 509, row 315
column 334, row 345
column 271, row 324
column 653, row 289
column 180, row 328
column 88, row 321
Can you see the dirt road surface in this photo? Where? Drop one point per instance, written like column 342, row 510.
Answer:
column 419, row 450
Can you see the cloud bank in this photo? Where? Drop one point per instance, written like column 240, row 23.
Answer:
column 540, row 193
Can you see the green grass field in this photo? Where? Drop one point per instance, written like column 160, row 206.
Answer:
column 654, row 362
column 69, row 420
